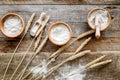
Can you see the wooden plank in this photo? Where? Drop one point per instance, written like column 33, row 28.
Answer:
column 108, row 72
column 75, row 16
column 59, row 2
column 95, row 45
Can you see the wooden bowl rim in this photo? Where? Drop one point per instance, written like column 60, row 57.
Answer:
column 94, row 9
column 3, row 19
column 53, row 25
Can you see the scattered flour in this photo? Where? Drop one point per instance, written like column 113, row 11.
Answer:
column 103, row 18
column 12, row 25
column 34, row 29
column 60, row 34
column 65, row 73
column 71, row 73
column 39, row 69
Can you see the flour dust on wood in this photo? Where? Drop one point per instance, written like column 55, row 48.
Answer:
column 71, row 73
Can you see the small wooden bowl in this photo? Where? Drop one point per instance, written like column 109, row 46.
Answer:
column 2, row 24
column 93, row 27
column 53, row 25
column 94, row 9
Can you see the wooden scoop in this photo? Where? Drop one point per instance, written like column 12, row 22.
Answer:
column 97, row 26
column 37, row 24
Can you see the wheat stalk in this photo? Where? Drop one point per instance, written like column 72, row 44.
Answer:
column 13, row 54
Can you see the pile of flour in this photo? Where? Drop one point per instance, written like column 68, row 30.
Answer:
column 12, row 25
column 102, row 15
column 60, row 34
column 39, row 69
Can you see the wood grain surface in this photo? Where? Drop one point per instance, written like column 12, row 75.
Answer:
column 107, row 72
column 75, row 16
column 59, row 1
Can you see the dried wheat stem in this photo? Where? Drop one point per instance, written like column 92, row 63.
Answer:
column 94, row 61
column 26, row 30
column 82, row 45
column 80, row 54
column 22, row 59
column 106, row 52
column 25, row 54
column 41, row 46
column 43, row 26
column 33, row 70
column 99, row 64
column 78, row 50
column 82, row 35
column 32, row 57
column 94, row 64
column 29, row 23
column 38, row 40
column 55, row 54
column 63, row 62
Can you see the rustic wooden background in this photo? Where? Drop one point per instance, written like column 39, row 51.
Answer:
column 59, row 1
column 75, row 16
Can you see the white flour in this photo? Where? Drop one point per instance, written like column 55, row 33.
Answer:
column 101, row 15
column 60, row 34
column 12, row 25
column 71, row 73
column 65, row 73
column 39, row 69
column 34, row 29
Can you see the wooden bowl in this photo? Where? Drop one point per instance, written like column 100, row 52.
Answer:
column 58, row 23
column 2, row 25
column 101, row 28
column 94, row 9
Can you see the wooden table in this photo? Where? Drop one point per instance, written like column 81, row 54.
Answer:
column 75, row 16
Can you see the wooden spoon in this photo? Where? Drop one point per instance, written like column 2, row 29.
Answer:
column 97, row 26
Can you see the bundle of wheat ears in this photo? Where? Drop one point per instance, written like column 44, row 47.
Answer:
column 39, row 44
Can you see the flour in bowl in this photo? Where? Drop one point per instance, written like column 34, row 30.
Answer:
column 60, row 34
column 102, row 16
column 12, row 25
